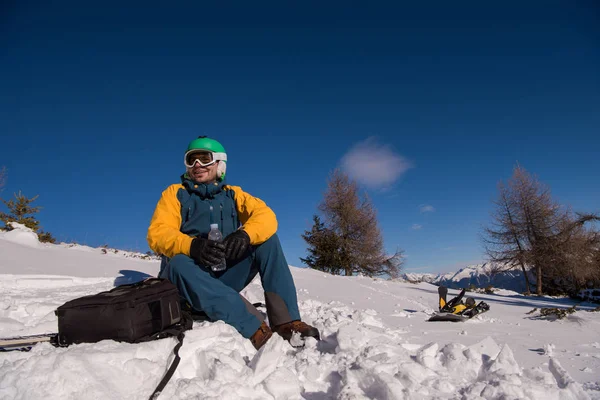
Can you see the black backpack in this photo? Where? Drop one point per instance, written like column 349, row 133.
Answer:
column 134, row 313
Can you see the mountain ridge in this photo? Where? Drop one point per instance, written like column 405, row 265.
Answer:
column 477, row 275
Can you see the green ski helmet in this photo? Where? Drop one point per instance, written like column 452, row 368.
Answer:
column 216, row 149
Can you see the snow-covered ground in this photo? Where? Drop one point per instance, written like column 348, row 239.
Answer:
column 377, row 343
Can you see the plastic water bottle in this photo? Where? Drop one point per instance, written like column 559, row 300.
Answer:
column 216, row 235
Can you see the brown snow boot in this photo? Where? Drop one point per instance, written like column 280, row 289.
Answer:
column 287, row 330
column 260, row 337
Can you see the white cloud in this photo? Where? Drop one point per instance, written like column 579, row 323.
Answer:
column 416, row 227
column 426, row 208
column 374, row 165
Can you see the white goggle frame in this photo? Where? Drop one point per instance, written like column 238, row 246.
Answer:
column 215, row 157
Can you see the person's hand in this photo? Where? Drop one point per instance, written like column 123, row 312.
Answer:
column 236, row 244
column 207, row 252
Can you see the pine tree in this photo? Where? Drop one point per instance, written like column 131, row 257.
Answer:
column 323, row 248
column 22, row 212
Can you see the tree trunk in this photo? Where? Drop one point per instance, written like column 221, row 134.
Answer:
column 527, row 287
column 538, row 269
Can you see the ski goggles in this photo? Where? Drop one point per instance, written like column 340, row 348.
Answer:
column 204, row 158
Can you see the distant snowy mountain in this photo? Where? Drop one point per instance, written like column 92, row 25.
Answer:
column 412, row 277
column 479, row 275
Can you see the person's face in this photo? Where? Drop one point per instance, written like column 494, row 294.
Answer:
column 198, row 172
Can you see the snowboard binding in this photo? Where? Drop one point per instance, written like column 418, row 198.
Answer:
column 456, row 309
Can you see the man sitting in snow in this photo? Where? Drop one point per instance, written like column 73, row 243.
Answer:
column 179, row 231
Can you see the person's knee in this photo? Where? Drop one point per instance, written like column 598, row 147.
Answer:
column 179, row 262
column 179, row 259
column 270, row 254
column 272, row 243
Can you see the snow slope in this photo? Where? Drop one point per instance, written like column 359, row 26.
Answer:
column 377, row 343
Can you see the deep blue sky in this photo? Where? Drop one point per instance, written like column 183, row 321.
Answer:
column 427, row 105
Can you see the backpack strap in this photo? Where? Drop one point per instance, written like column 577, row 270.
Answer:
column 187, row 320
column 179, row 330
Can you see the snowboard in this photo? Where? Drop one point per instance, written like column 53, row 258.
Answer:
column 447, row 317
column 443, row 316
column 25, row 343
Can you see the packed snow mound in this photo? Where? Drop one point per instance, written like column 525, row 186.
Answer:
column 22, row 235
column 22, row 253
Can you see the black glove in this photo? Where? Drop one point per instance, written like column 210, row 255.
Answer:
column 207, row 252
column 236, row 244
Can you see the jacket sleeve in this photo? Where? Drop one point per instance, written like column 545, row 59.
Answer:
column 258, row 220
column 164, row 235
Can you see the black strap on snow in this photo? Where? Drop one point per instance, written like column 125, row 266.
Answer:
column 171, row 369
column 185, row 324
column 187, row 320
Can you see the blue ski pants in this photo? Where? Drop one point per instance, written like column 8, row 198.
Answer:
column 217, row 293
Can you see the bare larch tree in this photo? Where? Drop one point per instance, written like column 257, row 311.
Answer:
column 529, row 228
